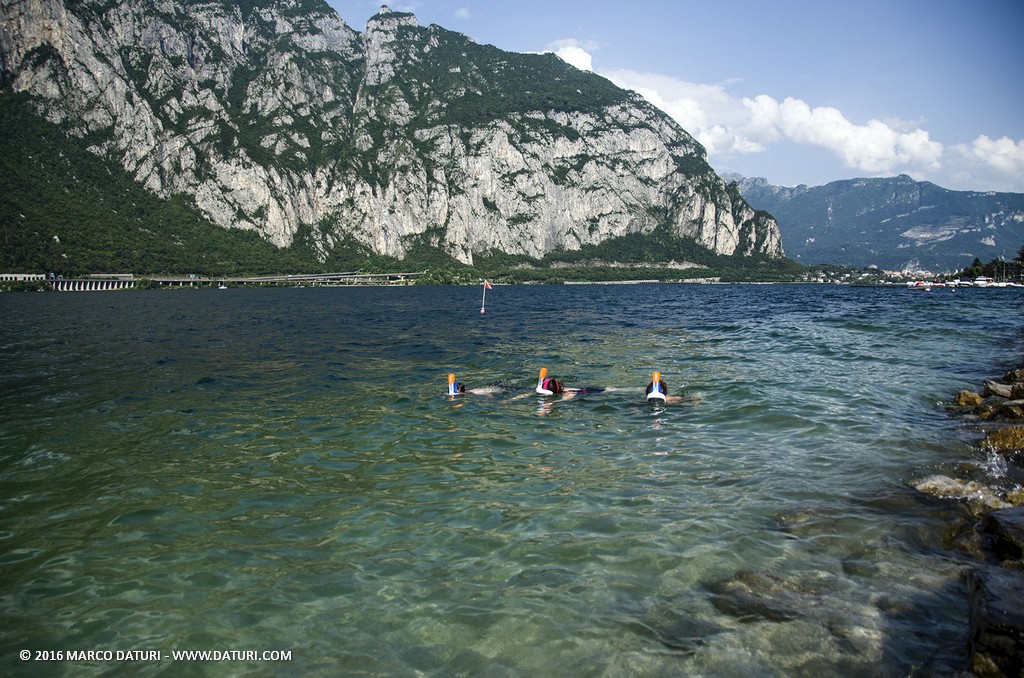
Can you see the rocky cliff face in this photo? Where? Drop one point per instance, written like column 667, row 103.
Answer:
column 277, row 117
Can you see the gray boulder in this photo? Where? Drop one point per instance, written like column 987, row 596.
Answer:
column 1006, row 530
column 997, row 622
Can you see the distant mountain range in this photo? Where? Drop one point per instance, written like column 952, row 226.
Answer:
column 894, row 223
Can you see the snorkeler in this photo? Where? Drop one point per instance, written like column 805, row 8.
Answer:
column 657, row 391
column 456, row 387
column 549, row 386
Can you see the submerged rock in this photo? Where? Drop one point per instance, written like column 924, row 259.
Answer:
column 826, row 601
column 675, row 626
column 996, row 594
column 1006, row 528
column 749, row 596
column 977, row 495
column 997, row 622
column 961, row 534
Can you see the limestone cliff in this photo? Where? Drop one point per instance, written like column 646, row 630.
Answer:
column 275, row 116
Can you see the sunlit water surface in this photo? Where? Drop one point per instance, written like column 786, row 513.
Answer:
column 280, row 469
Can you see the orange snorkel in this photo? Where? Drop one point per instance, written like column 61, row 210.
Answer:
column 540, row 383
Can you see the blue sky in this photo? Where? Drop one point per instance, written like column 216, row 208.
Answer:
column 796, row 91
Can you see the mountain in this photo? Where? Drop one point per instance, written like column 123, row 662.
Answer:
column 894, row 223
column 767, row 197
column 275, row 117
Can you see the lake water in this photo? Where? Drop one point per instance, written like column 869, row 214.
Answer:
column 258, row 470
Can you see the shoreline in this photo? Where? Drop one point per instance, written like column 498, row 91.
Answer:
column 995, row 536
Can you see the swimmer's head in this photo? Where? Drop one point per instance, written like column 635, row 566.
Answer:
column 455, row 387
column 657, row 389
column 552, row 386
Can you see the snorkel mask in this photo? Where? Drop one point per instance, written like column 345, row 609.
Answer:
column 658, row 389
column 542, row 383
column 453, row 386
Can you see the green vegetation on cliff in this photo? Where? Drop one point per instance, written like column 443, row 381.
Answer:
column 67, row 211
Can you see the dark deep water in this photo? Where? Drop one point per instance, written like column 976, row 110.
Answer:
column 279, row 469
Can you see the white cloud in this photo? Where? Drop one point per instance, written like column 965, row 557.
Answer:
column 573, row 53
column 1003, row 154
column 576, row 56
column 463, row 13
column 996, row 164
column 706, row 111
column 729, row 126
column 875, row 147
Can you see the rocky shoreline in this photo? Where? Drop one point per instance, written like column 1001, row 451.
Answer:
column 996, row 538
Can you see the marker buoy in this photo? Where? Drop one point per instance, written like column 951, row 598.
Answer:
column 483, row 297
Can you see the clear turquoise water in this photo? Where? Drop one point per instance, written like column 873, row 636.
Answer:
column 279, row 469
